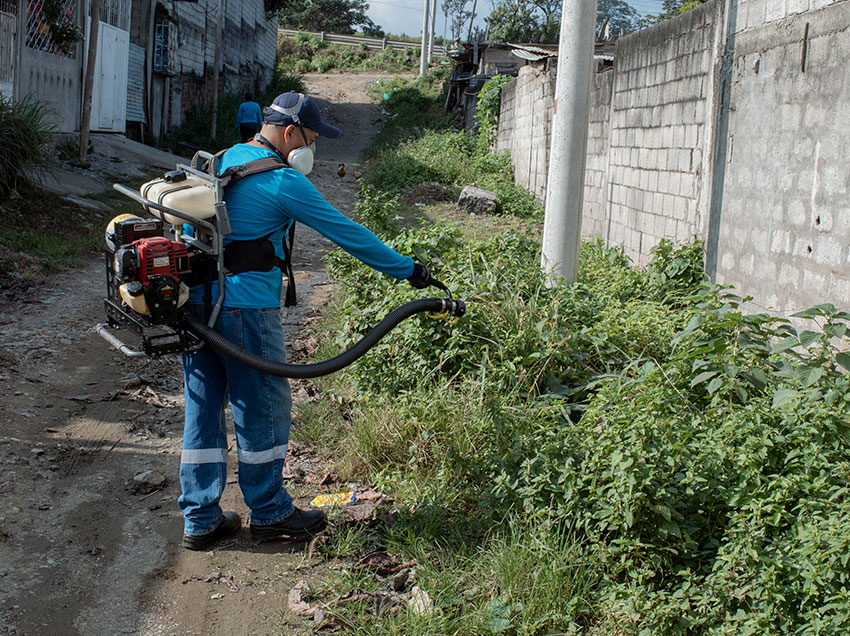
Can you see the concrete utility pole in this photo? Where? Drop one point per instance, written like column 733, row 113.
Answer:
column 565, row 181
column 88, row 89
column 216, row 60
column 423, row 56
column 431, row 35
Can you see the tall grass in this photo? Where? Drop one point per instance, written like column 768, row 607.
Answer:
column 24, row 135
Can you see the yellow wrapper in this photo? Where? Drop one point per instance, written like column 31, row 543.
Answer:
column 333, row 499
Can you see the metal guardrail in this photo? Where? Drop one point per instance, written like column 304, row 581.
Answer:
column 356, row 40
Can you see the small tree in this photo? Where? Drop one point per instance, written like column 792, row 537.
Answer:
column 514, row 21
column 672, row 8
column 619, row 16
column 457, row 15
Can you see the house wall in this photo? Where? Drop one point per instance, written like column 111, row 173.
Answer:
column 248, row 54
column 717, row 130
column 56, row 80
column 524, row 125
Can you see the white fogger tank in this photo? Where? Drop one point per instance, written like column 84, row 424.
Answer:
column 183, row 192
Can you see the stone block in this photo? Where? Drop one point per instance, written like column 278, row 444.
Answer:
column 477, row 201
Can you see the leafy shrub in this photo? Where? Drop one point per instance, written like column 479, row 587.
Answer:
column 307, row 53
column 24, row 135
column 701, row 451
column 487, row 109
column 324, row 63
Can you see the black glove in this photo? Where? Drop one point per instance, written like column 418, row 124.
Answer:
column 421, row 277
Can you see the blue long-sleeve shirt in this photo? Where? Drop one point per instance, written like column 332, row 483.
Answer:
column 249, row 113
column 267, row 203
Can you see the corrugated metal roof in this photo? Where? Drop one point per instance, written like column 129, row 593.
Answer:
column 528, row 55
column 536, row 53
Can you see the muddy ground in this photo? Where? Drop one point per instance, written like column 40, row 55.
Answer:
column 89, row 452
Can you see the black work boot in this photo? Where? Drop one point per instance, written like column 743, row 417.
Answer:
column 228, row 526
column 300, row 524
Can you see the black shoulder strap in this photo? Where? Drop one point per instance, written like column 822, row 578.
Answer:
column 234, row 174
column 288, row 239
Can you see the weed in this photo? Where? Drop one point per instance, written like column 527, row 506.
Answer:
column 24, row 134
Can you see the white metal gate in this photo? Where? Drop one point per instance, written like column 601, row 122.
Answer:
column 8, row 40
column 109, row 95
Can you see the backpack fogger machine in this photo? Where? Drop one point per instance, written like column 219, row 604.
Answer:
column 152, row 261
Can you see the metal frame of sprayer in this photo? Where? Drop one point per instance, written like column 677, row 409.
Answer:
column 209, row 239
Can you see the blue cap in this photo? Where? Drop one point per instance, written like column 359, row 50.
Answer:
column 300, row 110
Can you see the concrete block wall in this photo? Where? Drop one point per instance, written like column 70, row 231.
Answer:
column 754, row 14
column 596, row 211
column 658, row 132
column 526, row 109
column 784, row 226
column 248, row 55
column 728, row 125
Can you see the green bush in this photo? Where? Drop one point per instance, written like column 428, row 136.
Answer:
column 487, row 109
column 24, row 135
column 700, row 451
column 685, row 462
column 308, row 54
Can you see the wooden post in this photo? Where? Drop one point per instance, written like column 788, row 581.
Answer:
column 85, row 119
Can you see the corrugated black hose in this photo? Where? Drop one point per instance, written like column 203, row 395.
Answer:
column 221, row 344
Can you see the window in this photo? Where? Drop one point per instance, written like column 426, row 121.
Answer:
column 165, row 46
column 52, row 26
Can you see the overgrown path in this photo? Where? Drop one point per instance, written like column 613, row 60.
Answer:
column 89, row 532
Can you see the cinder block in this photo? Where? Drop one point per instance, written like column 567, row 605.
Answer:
column 669, row 227
column 687, row 185
column 678, row 136
column 663, row 181
column 827, row 251
column 798, row 6
column 775, row 10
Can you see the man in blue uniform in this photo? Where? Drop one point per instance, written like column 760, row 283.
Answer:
column 262, row 205
column 248, row 117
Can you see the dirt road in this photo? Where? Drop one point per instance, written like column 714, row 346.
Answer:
column 89, row 452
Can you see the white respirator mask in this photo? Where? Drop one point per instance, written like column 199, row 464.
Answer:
column 301, row 159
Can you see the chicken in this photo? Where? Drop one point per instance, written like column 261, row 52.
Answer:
column 340, row 172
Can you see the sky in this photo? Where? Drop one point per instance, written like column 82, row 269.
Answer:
column 405, row 16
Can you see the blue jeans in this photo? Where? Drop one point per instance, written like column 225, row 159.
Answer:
column 261, row 411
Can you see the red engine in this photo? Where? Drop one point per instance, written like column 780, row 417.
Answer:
column 149, row 272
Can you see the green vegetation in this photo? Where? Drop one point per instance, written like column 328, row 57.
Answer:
column 24, row 135
column 330, row 16
column 487, row 109
column 43, row 233
column 672, row 8
column 306, row 53
column 631, row 454
column 417, row 147
column 194, row 133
